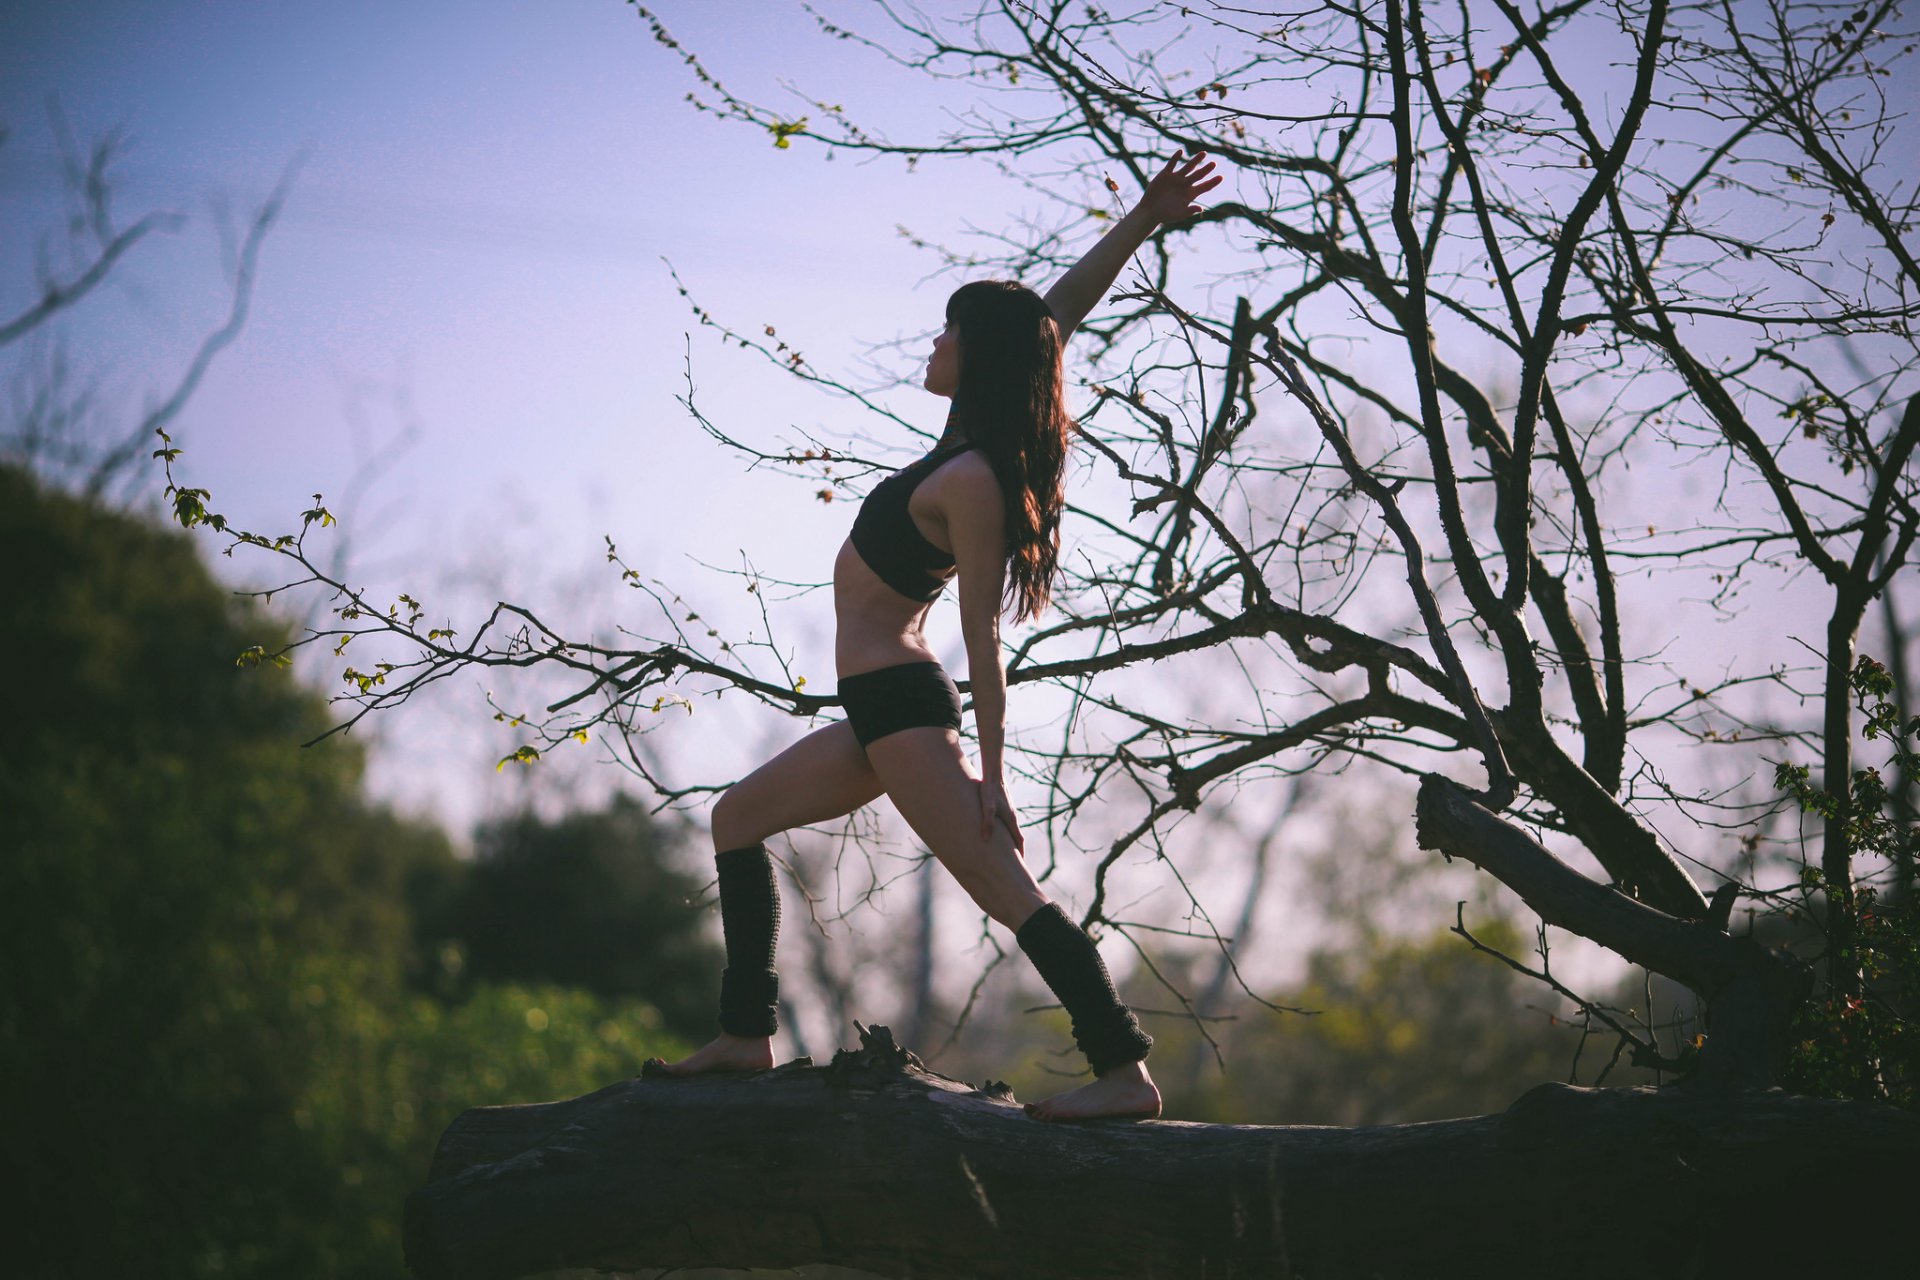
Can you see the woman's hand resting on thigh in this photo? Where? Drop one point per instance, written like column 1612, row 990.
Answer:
column 994, row 804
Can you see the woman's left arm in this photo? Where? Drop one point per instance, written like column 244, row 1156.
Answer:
column 976, row 517
column 1169, row 198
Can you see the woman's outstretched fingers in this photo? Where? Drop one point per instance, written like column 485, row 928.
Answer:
column 1171, row 195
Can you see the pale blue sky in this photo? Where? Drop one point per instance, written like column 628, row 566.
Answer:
column 485, row 195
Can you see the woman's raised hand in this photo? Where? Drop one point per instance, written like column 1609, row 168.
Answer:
column 1171, row 195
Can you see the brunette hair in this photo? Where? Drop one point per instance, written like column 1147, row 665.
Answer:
column 1011, row 405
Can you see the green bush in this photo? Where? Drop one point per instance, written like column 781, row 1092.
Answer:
column 215, row 1062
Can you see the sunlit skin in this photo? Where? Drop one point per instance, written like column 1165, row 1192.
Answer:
column 960, row 811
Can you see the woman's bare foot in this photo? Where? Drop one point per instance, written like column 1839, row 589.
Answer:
column 722, row 1053
column 1125, row 1092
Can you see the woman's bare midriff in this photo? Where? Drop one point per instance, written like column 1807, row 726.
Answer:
column 874, row 625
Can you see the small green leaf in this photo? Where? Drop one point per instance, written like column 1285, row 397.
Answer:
column 521, row 755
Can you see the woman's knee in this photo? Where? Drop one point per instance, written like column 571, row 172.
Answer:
column 732, row 822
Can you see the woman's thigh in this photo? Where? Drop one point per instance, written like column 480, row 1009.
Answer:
column 927, row 777
column 823, row 776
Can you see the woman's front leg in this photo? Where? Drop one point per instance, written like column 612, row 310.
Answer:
column 937, row 791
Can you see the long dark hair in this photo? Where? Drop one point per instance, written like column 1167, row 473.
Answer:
column 1011, row 405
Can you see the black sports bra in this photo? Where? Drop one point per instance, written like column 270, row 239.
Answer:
column 892, row 545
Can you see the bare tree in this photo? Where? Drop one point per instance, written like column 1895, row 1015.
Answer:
column 1487, row 269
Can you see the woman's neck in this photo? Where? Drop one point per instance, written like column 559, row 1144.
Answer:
column 953, row 435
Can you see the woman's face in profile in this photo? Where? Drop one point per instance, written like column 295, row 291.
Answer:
column 943, row 368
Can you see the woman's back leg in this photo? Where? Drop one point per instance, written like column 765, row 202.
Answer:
column 931, row 783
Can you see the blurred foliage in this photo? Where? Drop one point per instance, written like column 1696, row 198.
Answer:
column 591, row 901
column 214, row 1061
column 1402, row 1030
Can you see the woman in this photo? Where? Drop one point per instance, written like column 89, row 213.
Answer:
column 983, row 506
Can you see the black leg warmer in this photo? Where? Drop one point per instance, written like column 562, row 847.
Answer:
column 1106, row 1030
column 750, row 918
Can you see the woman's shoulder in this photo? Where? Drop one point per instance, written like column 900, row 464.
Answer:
column 969, row 468
column 966, row 484
column 961, row 461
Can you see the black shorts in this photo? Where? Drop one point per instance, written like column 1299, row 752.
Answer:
column 909, row 696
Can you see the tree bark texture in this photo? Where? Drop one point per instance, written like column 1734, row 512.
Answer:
column 874, row 1162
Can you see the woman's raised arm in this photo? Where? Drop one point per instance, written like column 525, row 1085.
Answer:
column 1168, row 198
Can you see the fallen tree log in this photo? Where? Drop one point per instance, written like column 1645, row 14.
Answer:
column 874, row 1162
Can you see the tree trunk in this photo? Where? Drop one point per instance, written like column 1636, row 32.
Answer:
column 875, row 1163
